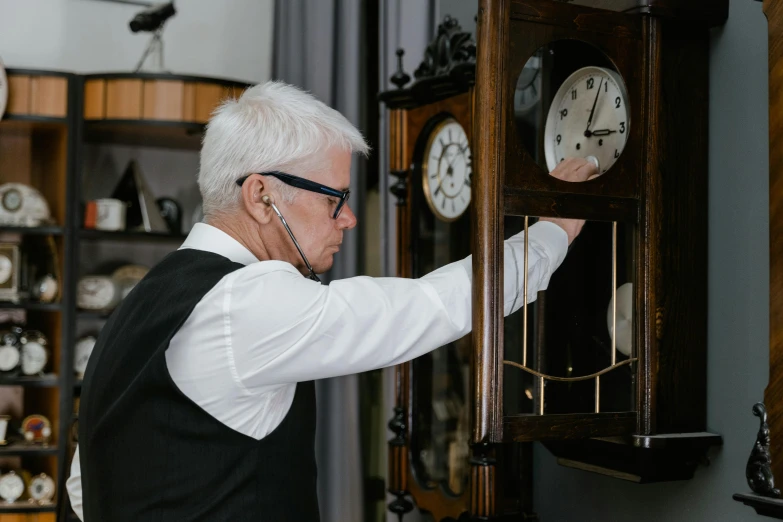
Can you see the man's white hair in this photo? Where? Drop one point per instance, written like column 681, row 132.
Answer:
column 272, row 126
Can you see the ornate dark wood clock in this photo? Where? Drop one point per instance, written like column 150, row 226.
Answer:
column 431, row 141
column 609, row 367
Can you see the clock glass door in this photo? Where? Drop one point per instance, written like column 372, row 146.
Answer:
column 440, row 379
column 572, row 351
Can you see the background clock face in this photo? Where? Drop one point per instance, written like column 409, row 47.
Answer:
column 447, row 170
column 588, row 117
column 9, row 357
column 11, row 487
column 6, row 268
column 34, row 358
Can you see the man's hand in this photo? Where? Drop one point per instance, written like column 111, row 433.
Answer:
column 572, row 169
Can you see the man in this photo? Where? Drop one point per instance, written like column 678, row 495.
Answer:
column 198, row 401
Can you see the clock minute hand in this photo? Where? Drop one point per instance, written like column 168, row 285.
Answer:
column 592, row 111
column 603, row 132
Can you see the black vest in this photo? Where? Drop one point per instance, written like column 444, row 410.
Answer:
column 150, row 454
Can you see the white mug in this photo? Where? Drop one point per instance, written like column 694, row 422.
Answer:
column 4, row 428
column 110, row 214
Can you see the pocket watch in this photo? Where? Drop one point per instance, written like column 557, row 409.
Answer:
column 12, row 487
column 41, row 489
column 36, row 429
column 34, row 352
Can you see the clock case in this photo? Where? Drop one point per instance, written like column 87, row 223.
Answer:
column 442, row 88
column 658, row 188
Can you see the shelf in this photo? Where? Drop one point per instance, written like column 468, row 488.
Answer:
column 47, row 381
column 26, row 507
column 98, row 235
column 32, row 231
column 146, row 133
column 770, row 507
column 90, row 315
column 47, row 307
column 27, row 449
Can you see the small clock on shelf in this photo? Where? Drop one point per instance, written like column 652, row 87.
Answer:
column 35, row 353
column 12, row 487
column 9, row 272
column 36, row 429
column 41, row 489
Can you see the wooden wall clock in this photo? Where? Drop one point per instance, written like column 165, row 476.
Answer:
column 608, row 367
column 431, row 142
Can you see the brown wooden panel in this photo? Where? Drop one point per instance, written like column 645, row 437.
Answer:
column 606, row 208
column 773, row 395
column 208, row 97
column 94, row 99
column 163, row 100
column 124, row 99
column 49, row 169
column 525, row 428
column 49, row 96
column 189, row 102
column 18, row 94
column 15, row 153
column 489, row 130
column 576, row 17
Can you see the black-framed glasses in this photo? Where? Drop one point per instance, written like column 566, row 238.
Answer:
column 306, row 184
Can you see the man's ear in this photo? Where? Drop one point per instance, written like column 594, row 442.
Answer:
column 253, row 192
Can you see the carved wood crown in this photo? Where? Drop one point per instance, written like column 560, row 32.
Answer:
column 448, row 69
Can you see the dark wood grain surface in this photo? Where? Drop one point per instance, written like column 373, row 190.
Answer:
column 773, row 396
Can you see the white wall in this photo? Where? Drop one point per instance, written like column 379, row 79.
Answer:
column 223, row 38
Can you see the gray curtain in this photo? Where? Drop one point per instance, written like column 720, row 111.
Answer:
column 317, row 47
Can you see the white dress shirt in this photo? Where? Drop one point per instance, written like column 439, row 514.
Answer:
column 265, row 327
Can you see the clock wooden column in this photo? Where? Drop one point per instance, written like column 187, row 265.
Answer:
column 432, row 465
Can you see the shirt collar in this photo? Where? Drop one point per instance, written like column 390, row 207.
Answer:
column 210, row 239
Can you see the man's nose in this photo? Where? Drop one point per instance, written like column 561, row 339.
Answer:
column 347, row 219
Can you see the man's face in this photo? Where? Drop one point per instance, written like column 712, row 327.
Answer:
column 310, row 214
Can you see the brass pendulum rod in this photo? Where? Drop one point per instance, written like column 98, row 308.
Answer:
column 614, row 294
column 541, row 396
column 598, row 394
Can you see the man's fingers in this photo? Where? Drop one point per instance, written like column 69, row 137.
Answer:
column 586, row 171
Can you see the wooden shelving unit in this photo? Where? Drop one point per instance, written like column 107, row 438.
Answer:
column 51, row 119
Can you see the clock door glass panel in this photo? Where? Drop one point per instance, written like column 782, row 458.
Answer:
column 569, row 331
column 440, row 379
column 569, row 101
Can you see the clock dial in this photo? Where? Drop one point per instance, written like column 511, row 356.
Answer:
column 34, row 357
column 12, row 200
column 9, row 357
column 6, row 268
column 588, row 117
column 82, row 353
column 11, row 487
column 528, row 91
column 447, row 170
column 42, row 488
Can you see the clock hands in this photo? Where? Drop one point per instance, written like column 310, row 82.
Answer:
column 592, row 111
column 602, row 132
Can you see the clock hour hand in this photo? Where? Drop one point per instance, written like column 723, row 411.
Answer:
column 592, row 111
column 602, row 132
